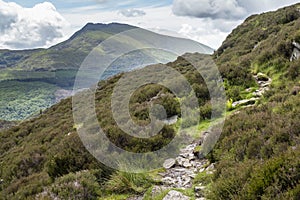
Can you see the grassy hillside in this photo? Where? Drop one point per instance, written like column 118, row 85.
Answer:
column 6, row 124
column 257, row 156
column 30, row 78
column 263, row 43
column 56, row 68
column 44, row 156
column 66, row 55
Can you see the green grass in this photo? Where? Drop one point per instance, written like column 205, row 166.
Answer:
column 128, row 183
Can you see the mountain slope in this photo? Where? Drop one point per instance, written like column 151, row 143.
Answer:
column 31, row 80
column 45, row 153
column 257, row 156
column 263, row 43
column 66, row 55
column 54, row 70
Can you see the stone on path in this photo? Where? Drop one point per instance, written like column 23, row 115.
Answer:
column 168, row 164
column 174, row 195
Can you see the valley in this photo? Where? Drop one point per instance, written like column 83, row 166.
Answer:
column 54, row 70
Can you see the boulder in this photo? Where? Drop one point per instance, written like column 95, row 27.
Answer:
column 262, row 77
column 168, row 164
column 296, row 52
column 245, row 102
column 180, row 160
column 174, row 195
column 168, row 181
column 211, row 167
column 187, row 164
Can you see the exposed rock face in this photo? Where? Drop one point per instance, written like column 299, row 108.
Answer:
column 174, row 195
column 296, row 52
column 245, row 102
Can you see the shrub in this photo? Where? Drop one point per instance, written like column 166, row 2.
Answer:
column 80, row 185
column 123, row 182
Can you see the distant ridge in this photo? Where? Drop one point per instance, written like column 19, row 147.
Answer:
column 108, row 28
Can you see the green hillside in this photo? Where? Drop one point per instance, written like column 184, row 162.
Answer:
column 46, row 152
column 66, row 55
column 29, row 79
column 257, row 156
column 54, row 70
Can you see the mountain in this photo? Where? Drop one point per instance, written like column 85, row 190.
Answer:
column 33, row 80
column 66, row 55
column 46, row 152
column 256, row 157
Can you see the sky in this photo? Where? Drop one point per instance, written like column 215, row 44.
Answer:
column 26, row 24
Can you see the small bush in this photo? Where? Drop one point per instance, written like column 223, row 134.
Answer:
column 123, row 182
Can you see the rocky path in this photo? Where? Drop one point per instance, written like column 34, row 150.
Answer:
column 181, row 171
column 179, row 174
column 264, row 83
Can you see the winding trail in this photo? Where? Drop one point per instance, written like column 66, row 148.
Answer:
column 181, row 171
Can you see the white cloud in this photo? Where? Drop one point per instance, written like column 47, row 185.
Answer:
column 40, row 26
column 162, row 20
column 19, row 30
column 209, row 32
column 132, row 13
column 264, row 5
column 215, row 9
column 217, row 18
column 226, row 9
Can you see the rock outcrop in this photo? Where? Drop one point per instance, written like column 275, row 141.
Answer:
column 264, row 83
column 296, row 51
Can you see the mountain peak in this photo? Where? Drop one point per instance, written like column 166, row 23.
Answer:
column 108, row 28
column 100, row 26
